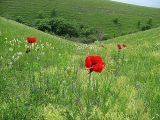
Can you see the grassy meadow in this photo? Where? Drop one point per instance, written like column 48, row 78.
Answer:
column 51, row 82
column 98, row 14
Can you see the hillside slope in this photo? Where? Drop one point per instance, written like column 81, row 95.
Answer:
column 95, row 13
column 51, row 82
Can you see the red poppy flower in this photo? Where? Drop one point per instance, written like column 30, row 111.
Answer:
column 124, row 45
column 31, row 39
column 94, row 63
column 119, row 46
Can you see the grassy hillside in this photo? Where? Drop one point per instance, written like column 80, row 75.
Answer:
column 51, row 82
column 95, row 13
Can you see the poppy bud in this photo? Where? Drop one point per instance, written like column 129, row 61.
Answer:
column 119, row 46
column 124, row 45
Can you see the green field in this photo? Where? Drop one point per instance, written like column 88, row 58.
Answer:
column 95, row 13
column 51, row 82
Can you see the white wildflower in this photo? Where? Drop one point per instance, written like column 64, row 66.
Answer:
column 37, row 48
column 126, row 60
column 16, row 58
column 11, row 49
column 26, row 46
column 38, row 58
column 19, row 53
column 13, row 57
column 32, row 45
column 37, row 45
column 42, row 46
column 14, row 40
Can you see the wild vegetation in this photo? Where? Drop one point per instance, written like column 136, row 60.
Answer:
column 62, row 27
column 48, row 71
column 108, row 18
column 50, row 82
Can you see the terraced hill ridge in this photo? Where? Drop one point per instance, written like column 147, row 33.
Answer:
column 51, row 82
column 99, row 14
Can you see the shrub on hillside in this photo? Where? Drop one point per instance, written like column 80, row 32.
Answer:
column 91, row 39
column 19, row 19
column 146, row 27
column 115, row 20
column 86, row 31
column 63, row 27
column 43, row 25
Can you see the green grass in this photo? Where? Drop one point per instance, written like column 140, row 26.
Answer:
column 95, row 13
column 51, row 83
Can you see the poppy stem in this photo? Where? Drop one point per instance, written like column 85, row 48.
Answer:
column 90, row 73
column 89, row 93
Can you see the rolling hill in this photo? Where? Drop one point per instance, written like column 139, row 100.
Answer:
column 95, row 13
column 51, row 82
